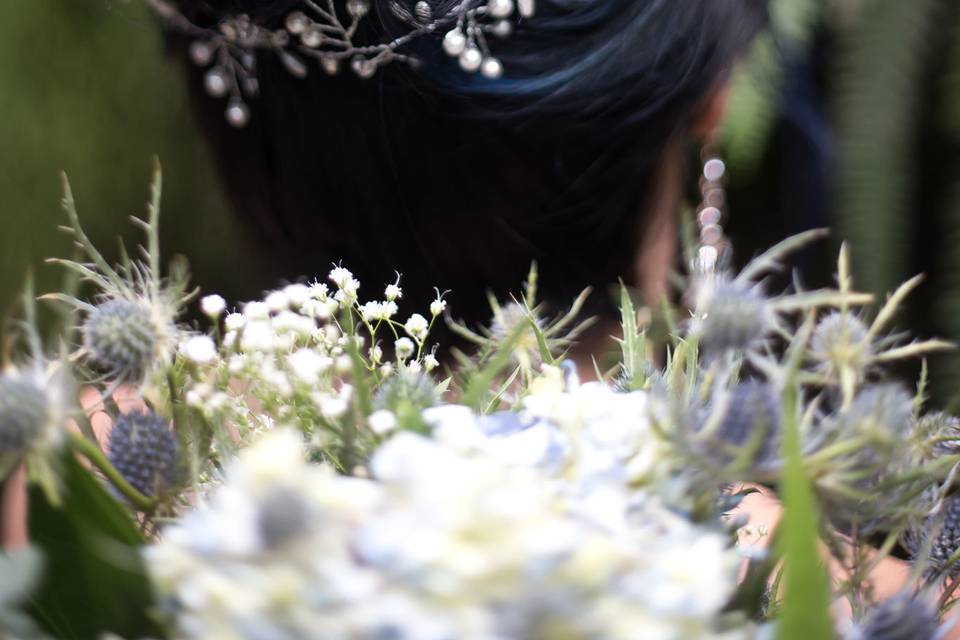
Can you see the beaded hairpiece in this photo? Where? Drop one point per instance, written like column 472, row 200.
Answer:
column 317, row 30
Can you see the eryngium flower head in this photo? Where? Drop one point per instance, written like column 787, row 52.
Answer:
column 122, row 338
column 406, row 390
column 945, row 527
column 840, row 342
column 937, row 434
column 875, row 432
column 145, row 452
column 732, row 317
column 24, row 412
column 902, row 617
column 750, row 424
column 882, row 416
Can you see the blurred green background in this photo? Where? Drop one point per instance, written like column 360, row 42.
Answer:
column 847, row 113
column 85, row 88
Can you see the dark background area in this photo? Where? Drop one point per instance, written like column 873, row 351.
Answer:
column 847, row 114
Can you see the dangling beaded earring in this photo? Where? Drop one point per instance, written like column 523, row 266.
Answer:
column 713, row 248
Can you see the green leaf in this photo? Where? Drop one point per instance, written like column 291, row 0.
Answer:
column 95, row 579
column 806, row 590
column 633, row 343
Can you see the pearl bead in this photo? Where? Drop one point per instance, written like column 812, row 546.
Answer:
column 215, row 82
column 502, row 28
column 714, row 169
column 491, row 68
column 357, row 8
column 471, row 59
column 312, row 37
column 363, row 67
column 423, row 11
column 330, row 65
column 500, row 8
column 297, row 22
column 201, row 53
column 454, row 42
column 237, row 113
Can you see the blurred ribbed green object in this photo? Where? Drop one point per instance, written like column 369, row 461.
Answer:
column 880, row 80
column 85, row 87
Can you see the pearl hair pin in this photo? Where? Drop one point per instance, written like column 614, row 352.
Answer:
column 318, row 31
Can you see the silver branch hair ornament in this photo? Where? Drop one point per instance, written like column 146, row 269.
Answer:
column 316, row 30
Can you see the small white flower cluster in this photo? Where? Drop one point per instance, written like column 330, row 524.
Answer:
column 294, row 352
column 516, row 525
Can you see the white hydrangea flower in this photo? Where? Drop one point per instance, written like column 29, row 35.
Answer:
column 468, row 535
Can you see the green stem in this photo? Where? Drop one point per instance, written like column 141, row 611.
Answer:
column 95, row 455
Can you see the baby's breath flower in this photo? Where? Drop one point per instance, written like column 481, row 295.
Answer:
column 297, row 294
column 430, row 362
column 417, row 326
column 307, row 365
column 372, row 311
column 319, row 291
column 393, row 291
column 258, row 336
column 340, row 276
column 315, row 309
column 333, row 407
column 234, row 321
column 438, row 306
column 382, row 422
column 199, row 349
column 343, row 364
column 256, row 310
column 277, row 301
column 213, row 305
column 404, row 348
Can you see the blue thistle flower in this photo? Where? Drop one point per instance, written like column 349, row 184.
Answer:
column 902, row 617
column 24, row 412
column 145, row 452
column 753, row 417
column 406, row 389
column 733, row 317
column 121, row 338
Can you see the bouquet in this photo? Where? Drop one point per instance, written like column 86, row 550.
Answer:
column 308, row 465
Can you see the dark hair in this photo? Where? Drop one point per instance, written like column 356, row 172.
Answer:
column 459, row 181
